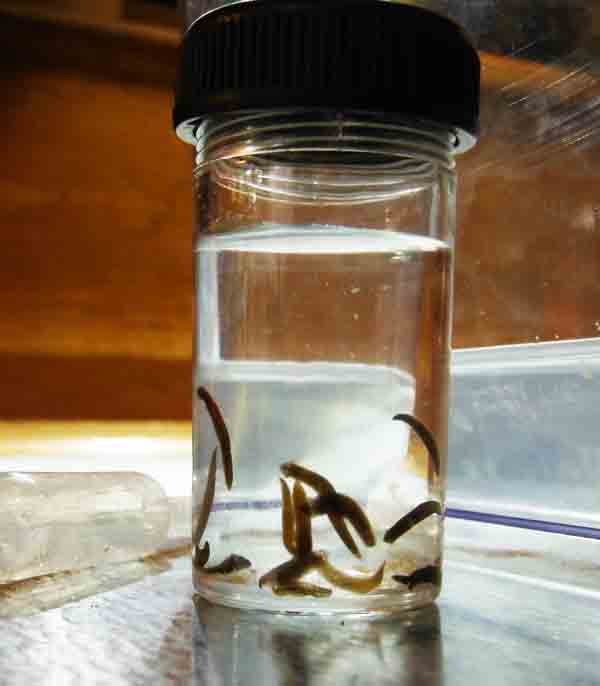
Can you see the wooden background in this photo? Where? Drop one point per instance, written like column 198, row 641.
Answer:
column 95, row 213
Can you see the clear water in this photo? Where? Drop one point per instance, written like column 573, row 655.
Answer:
column 310, row 341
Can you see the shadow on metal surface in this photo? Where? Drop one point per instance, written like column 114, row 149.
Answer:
column 235, row 647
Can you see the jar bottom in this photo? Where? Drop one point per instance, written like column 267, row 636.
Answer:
column 374, row 605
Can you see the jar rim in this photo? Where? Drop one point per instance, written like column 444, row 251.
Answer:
column 346, row 139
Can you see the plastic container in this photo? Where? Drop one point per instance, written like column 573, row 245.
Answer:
column 52, row 522
column 323, row 251
column 524, row 438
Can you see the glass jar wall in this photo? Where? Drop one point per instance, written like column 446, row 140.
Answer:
column 323, row 259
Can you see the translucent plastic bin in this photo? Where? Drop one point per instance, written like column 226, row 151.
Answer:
column 525, row 436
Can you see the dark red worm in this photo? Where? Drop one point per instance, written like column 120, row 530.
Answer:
column 221, row 431
column 200, row 555
column 414, row 517
column 425, row 435
column 342, row 506
column 324, row 488
column 230, row 565
column 426, row 575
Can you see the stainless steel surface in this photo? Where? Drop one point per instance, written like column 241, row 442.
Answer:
column 523, row 611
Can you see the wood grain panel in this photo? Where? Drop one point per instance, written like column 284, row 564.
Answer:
column 95, row 214
column 95, row 388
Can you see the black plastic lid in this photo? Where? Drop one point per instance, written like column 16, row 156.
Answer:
column 341, row 54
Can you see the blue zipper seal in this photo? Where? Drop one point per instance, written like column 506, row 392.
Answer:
column 525, row 523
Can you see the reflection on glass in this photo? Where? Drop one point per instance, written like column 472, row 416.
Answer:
column 233, row 647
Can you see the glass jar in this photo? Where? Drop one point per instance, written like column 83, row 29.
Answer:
column 323, row 267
